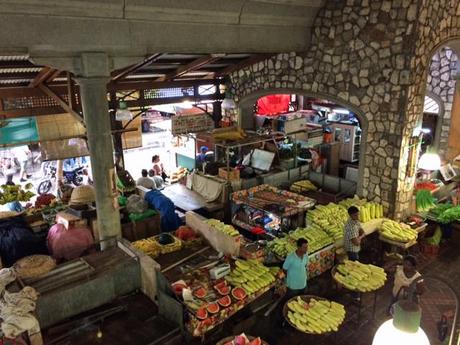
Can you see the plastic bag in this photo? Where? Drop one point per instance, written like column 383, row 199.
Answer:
column 136, row 204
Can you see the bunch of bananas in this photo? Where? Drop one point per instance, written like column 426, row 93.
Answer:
column 220, row 226
column 233, row 134
column 302, row 186
column 367, row 210
column 251, row 275
column 331, row 218
column 315, row 316
column 397, row 232
column 15, row 193
column 149, row 246
column 316, row 237
column 170, row 247
column 357, row 276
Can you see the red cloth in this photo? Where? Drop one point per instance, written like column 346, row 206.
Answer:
column 273, row 104
column 68, row 244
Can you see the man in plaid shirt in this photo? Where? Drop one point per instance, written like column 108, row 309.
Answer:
column 353, row 234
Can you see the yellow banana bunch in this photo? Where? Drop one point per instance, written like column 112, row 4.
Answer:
column 357, row 276
column 302, row 186
column 149, row 246
column 231, row 135
column 397, row 232
column 331, row 218
column 315, row 316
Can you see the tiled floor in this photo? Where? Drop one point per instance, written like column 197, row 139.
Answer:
column 139, row 325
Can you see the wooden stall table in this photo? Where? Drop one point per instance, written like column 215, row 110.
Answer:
column 403, row 247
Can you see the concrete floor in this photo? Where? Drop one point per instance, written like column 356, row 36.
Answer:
column 139, row 325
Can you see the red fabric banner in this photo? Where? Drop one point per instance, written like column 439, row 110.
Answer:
column 273, row 105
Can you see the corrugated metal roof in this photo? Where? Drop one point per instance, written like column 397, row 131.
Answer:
column 430, row 106
column 14, row 81
column 14, row 57
column 20, row 70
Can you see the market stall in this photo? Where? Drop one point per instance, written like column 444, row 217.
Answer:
column 269, row 208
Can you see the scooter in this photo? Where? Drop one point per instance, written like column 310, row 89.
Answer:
column 73, row 177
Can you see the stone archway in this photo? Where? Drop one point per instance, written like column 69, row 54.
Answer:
column 246, row 106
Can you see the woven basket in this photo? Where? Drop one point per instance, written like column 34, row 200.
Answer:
column 82, row 195
column 34, row 266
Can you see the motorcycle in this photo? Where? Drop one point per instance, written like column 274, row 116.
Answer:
column 73, row 177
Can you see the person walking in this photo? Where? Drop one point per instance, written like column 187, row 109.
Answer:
column 295, row 269
column 22, row 154
column 353, row 234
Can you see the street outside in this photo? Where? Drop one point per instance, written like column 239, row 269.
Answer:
column 158, row 142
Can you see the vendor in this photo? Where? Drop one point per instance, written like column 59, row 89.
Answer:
column 295, row 268
column 201, row 158
column 145, row 181
column 408, row 282
column 158, row 167
column 353, row 234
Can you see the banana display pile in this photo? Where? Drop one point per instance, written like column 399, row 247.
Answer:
column 397, row 232
column 357, row 276
column 149, row 246
column 15, row 193
column 331, row 218
column 367, row 210
column 302, row 186
column 315, row 316
column 220, row 226
column 251, row 275
column 230, row 135
column 317, row 239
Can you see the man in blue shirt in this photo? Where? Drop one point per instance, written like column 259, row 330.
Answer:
column 295, row 268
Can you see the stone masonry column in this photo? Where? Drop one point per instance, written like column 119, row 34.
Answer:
column 93, row 90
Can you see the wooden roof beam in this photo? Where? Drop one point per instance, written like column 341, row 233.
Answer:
column 245, row 63
column 42, row 76
column 120, row 74
column 61, row 102
column 192, row 66
column 53, row 76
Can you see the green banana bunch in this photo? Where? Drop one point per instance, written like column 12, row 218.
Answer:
column 315, row 316
column 357, row 276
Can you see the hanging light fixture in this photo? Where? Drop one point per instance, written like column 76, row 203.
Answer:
column 228, row 103
column 123, row 113
column 404, row 328
column 430, row 160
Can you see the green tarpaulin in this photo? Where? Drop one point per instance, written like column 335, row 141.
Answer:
column 16, row 131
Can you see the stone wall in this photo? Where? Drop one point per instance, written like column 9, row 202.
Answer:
column 365, row 54
column 441, row 83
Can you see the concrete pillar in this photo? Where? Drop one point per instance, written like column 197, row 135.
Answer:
column 93, row 91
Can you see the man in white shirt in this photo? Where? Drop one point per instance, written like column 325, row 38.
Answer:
column 145, row 181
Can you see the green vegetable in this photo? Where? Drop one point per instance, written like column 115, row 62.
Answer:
column 424, row 200
column 440, row 209
column 449, row 215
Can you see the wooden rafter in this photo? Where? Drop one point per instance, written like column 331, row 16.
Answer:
column 245, row 63
column 53, row 76
column 118, row 75
column 61, row 102
column 42, row 76
column 192, row 66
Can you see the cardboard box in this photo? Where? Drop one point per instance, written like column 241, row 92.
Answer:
column 69, row 220
column 231, row 175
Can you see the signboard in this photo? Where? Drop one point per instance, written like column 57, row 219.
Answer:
column 191, row 124
column 16, row 131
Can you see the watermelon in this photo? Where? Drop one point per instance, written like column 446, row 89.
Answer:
column 200, row 292
column 221, row 285
column 202, row 313
column 224, row 290
column 239, row 293
column 213, row 308
column 225, row 301
column 256, row 341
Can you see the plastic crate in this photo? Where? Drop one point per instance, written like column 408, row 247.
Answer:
column 429, row 249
